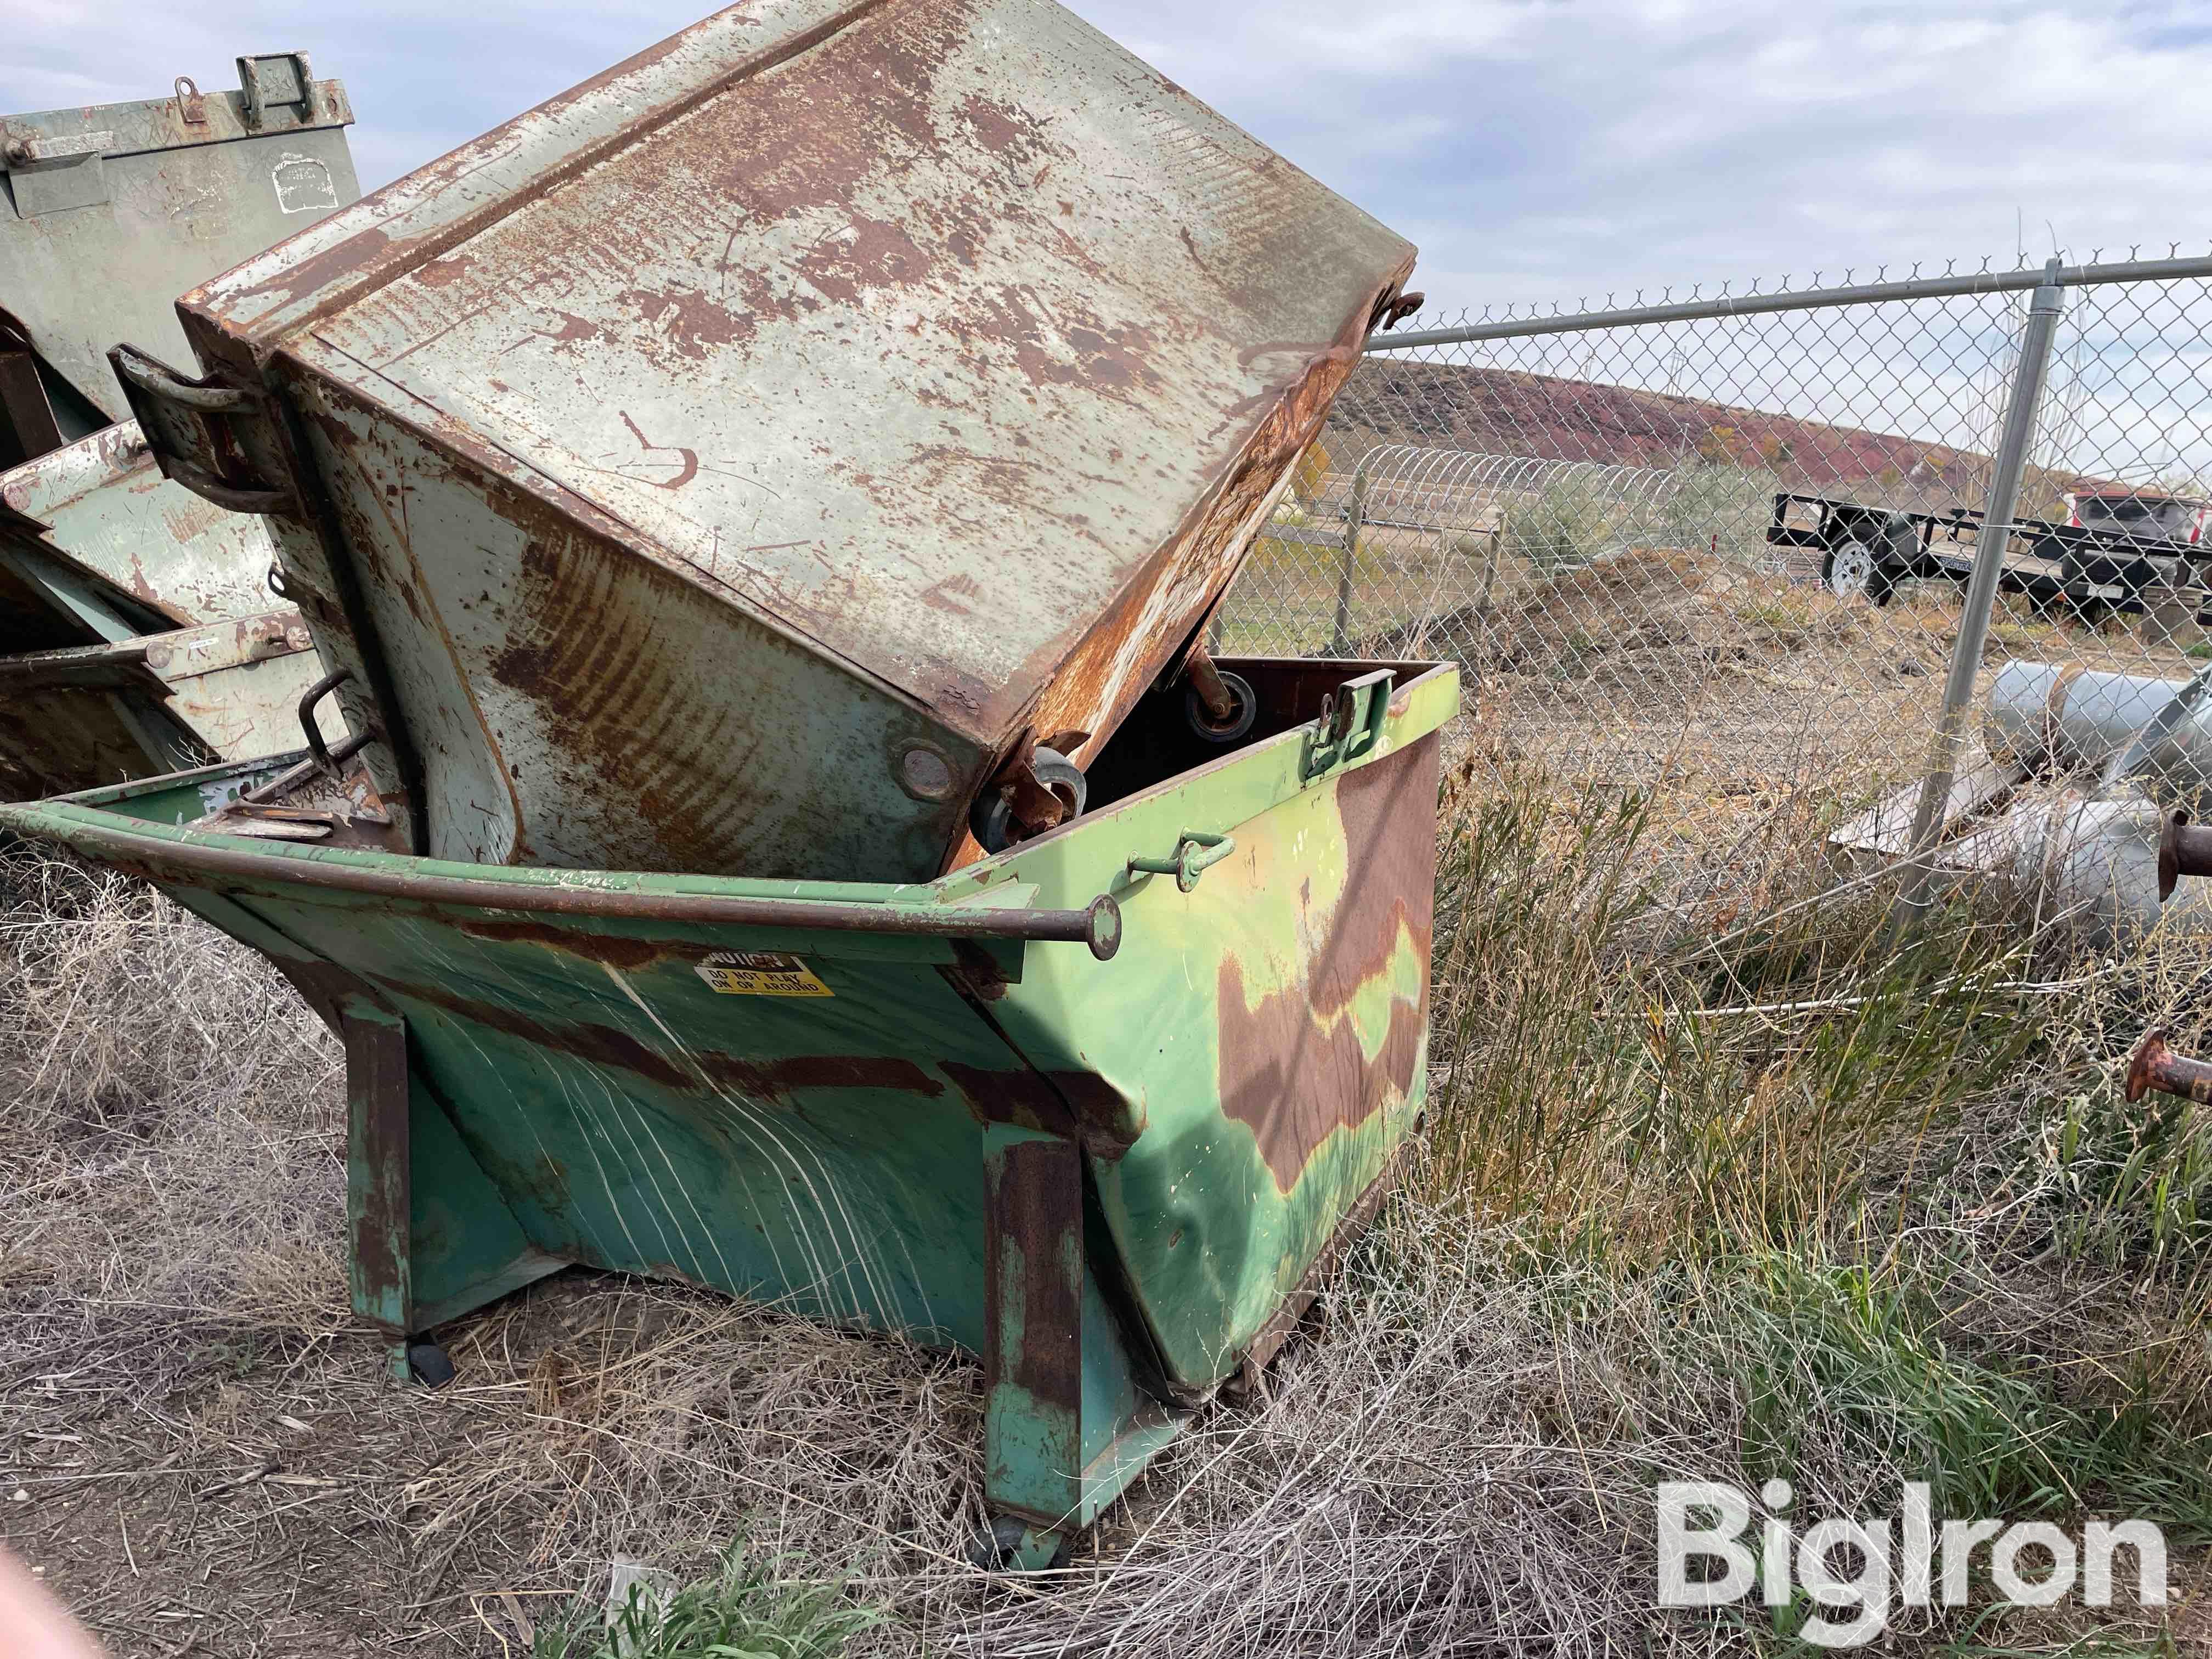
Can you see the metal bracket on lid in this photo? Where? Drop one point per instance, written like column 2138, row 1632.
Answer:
column 215, row 440
column 55, row 175
column 273, row 80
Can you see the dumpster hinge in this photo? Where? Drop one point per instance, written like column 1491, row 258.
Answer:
column 273, row 80
column 216, row 440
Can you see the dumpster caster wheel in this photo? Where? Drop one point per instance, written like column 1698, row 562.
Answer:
column 1010, row 1544
column 992, row 818
column 429, row 1363
column 1241, row 716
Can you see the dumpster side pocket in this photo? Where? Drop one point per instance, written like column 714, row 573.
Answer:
column 428, row 1237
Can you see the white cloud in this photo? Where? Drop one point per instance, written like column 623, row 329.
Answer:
column 1537, row 149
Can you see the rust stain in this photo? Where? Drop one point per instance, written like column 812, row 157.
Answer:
column 1293, row 1083
column 686, row 469
column 440, row 273
column 953, row 594
column 1291, row 1069
column 1388, row 811
column 1034, row 1214
column 875, row 254
column 769, row 1079
column 691, row 323
column 1078, row 1106
column 628, row 954
column 356, row 253
column 596, row 1045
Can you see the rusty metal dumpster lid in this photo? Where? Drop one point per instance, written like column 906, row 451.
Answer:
column 99, row 511
column 943, row 335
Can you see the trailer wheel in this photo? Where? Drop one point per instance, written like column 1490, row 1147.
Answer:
column 1850, row 570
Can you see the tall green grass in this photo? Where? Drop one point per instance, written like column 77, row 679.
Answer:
column 1680, row 1077
column 1880, row 1187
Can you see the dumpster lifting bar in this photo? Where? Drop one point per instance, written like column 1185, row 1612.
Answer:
column 1098, row 925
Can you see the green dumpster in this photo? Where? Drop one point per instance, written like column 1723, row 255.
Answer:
column 1100, row 1109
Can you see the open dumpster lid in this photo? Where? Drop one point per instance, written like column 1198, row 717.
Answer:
column 927, row 328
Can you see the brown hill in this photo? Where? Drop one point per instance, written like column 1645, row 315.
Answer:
column 1505, row 411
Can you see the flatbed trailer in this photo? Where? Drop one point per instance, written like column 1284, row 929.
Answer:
column 1870, row 551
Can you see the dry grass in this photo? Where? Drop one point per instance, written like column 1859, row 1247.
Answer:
column 1907, row 1232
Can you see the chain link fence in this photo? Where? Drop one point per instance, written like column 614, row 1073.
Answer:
column 1721, row 545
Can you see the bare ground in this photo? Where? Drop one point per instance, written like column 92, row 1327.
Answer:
column 203, row 1454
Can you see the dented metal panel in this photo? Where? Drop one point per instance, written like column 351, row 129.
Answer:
column 1108, row 1172
column 108, row 212
column 726, row 464
column 138, row 633
column 102, row 505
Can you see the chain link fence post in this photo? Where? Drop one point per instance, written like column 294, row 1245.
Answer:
column 1355, row 521
column 1746, row 553
column 2024, row 404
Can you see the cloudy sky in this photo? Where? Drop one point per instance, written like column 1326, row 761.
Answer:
column 1536, row 151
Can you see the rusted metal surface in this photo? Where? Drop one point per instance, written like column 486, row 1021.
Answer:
column 1205, row 680
column 112, row 211
column 2192, row 853
column 1096, row 926
column 136, row 632
column 1033, row 1283
column 379, row 1211
column 1320, row 1274
column 2156, row 1066
column 76, row 718
column 102, row 505
column 1117, row 1178
column 847, row 381
column 27, row 426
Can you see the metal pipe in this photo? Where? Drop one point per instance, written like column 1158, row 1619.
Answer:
column 2157, row 1066
column 2027, row 401
column 1098, row 925
column 2192, row 848
column 1205, row 679
column 2065, row 715
column 1810, row 298
column 1355, row 521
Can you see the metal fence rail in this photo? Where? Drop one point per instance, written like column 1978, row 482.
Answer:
column 1726, row 543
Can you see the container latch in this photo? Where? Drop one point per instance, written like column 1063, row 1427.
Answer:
column 1196, row 852
column 1351, row 723
column 215, row 440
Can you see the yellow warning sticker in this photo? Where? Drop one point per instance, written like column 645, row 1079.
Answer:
column 761, row 974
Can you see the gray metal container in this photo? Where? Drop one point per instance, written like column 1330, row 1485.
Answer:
column 109, row 211
column 740, row 462
column 138, row 634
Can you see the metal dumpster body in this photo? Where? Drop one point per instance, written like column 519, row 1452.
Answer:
column 729, row 464
column 1115, row 1179
column 112, row 210
column 138, row 634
